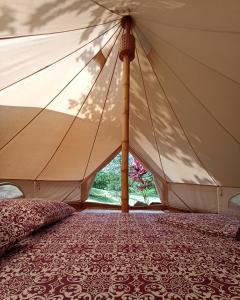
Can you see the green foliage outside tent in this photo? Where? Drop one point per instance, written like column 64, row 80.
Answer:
column 107, row 184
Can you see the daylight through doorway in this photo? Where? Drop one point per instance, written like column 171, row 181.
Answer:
column 107, row 184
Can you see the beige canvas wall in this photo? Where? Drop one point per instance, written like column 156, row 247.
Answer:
column 61, row 94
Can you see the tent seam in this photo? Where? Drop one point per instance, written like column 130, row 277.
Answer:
column 56, row 32
column 193, row 58
column 101, row 5
column 73, row 121
column 104, row 163
column 198, row 29
column 76, row 187
column 29, row 122
column 58, row 60
column 180, row 198
column 79, row 180
column 150, row 114
column 100, row 120
column 176, row 116
column 147, row 165
column 198, row 100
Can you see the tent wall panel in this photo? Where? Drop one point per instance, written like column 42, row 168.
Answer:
column 61, row 96
column 71, row 158
column 204, row 84
column 109, row 123
column 193, row 15
column 225, row 207
column 32, row 54
column 45, row 16
column 86, row 186
column 198, row 198
column 141, row 134
column 55, row 190
column 215, row 146
column 204, row 198
column 178, row 159
column 206, row 47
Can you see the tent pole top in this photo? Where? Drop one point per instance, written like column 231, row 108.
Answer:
column 127, row 42
column 127, row 21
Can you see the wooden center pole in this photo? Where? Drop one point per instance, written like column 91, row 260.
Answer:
column 126, row 58
column 125, row 134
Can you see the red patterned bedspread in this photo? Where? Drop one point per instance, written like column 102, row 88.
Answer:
column 136, row 256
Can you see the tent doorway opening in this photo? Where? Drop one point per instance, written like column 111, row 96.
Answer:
column 107, row 185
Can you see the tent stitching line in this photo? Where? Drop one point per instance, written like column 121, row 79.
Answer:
column 198, row 100
column 80, row 180
column 181, row 126
column 58, row 60
column 100, row 120
column 76, row 187
column 193, row 58
column 197, row 29
column 150, row 114
column 176, row 116
column 56, row 32
column 74, row 119
column 180, row 198
column 197, row 184
column 29, row 122
column 147, row 166
column 101, row 5
column 104, row 163
column 218, row 195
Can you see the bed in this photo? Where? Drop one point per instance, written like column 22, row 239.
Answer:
column 89, row 255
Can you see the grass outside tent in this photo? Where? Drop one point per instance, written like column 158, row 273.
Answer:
column 113, row 197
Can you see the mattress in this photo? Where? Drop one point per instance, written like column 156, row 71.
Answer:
column 126, row 256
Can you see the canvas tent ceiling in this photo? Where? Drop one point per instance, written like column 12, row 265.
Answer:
column 60, row 89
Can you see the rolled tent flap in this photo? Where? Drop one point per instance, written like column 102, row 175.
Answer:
column 61, row 95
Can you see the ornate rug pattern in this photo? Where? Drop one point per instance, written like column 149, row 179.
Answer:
column 129, row 257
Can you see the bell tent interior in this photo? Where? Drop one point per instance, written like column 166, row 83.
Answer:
column 82, row 80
